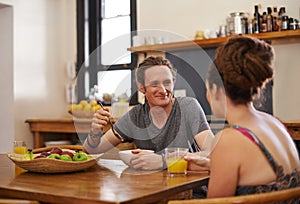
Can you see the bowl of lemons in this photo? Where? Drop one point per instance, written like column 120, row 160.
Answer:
column 84, row 109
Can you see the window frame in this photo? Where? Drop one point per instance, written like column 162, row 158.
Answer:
column 94, row 36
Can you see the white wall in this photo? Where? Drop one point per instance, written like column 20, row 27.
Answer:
column 6, row 78
column 44, row 41
column 186, row 17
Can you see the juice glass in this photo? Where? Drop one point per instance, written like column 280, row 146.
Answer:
column 19, row 147
column 175, row 162
column 19, row 151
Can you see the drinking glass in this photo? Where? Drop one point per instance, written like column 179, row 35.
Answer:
column 176, row 164
column 19, row 147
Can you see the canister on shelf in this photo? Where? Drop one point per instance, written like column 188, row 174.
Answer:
column 236, row 23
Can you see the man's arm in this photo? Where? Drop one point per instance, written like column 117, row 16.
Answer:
column 206, row 141
column 100, row 144
column 200, row 160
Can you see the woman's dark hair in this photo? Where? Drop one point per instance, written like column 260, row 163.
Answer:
column 150, row 62
column 242, row 66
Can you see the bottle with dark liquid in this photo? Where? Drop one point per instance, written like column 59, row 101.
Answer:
column 279, row 20
column 269, row 20
column 275, row 19
column 264, row 22
column 256, row 20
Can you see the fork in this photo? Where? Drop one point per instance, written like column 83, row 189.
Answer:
column 112, row 126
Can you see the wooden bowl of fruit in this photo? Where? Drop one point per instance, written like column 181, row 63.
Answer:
column 84, row 109
column 55, row 160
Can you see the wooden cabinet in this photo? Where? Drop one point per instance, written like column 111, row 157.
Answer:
column 293, row 128
column 38, row 126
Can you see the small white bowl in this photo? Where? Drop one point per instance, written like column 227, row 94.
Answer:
column 126, row 155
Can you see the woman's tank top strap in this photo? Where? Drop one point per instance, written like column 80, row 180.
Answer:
column 249, row 134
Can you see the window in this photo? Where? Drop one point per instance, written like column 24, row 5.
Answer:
column 115, row 23
column 104, row 32
column 121, row 85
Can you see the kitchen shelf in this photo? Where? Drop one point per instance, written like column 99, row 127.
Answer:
column 280, row 37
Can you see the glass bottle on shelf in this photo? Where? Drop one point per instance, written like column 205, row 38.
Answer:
column 250, row 26
column 275, row 19
column 256, row 20
column 284, row 19
column 279, row 20
column 264, row 22
column 269, row 20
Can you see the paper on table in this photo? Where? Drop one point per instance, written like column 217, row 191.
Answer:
column 117, row 166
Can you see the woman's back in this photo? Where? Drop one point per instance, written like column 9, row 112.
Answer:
column 262, row 153
column 256, row 154
column 275, row 137
column 279, row 142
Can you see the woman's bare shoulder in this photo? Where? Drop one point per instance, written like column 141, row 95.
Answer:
column 228, row 138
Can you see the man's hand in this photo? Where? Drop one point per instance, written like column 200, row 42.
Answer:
column 146, row 160
column 100, row 120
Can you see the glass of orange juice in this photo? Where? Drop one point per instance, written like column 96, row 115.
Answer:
column 19, row 151
column 176, row 164
column 19, row 147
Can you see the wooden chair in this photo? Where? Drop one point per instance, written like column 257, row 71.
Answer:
column 270, row 197
column 17, row 201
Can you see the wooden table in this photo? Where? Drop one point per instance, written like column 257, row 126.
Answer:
column 110, row 182
column 293, row 127
column 56, row 125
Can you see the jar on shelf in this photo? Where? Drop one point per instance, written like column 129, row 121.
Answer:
column 285, row 23
column 237, row 23
column 293, row 24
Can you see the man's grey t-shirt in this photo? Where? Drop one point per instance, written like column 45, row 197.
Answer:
column 185, row 121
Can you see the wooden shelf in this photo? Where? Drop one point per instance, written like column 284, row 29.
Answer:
column 280, row 37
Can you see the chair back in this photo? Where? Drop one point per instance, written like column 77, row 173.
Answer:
column 17, row 201
column 269, row 197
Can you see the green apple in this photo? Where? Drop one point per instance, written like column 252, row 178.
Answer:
column 68, row 153
column 80, row 156
column 65, row 157
column 54, row 156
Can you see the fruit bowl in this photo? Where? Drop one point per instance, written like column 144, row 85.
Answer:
column 84, row 109
column 46, row 165
column 82, row 114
